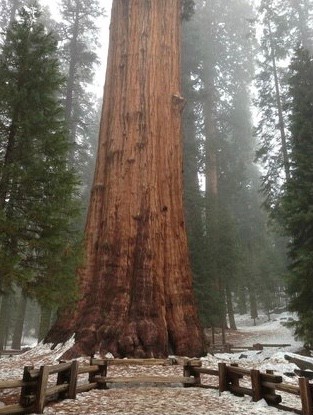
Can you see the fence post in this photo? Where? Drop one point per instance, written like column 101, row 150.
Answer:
column 256, row 385
column 68, row 376
column 222, row 377
column 103, row 369
column 27, row 391
column 189, row 371
column 73, row 380
column 306, row 396
column 41, row 389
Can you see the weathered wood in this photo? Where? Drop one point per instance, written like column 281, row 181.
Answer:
column 58, row 368
column 57, row 390
column 306, row 396
column 147, row 362
column 272, row 399
column 256, row 385
column 206, row 371
column 240, row 390
column 41, row 389
column 87, row 369
column 275, row 344
column 222, row 377
column 189, row 371
column 29, row 388
column 267, row 377
column 8, row 384
column 146, row 379
column 239, row 370
column 187, row 374
column 15, row 409
column 282, row 387
column 73, row 380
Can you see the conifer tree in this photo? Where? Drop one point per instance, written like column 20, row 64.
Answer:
column 297, row 202
column 37, row 187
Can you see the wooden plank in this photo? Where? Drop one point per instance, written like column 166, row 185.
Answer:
column 240, row 390
column 306, row 396
column 145, row 379
column 256, row 385
column 8, row 384
column 189, row 362
column 15, row 409
column 87, row 369
column 267, row 377
column 129, row 362
column 52, row 370
column 206, row 371
column 147, row 362
column 275, row 344
column 41, row 389
column 282, row 387
column 53, row 390
column 239, row 370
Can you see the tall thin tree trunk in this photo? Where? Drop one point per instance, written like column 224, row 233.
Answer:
column 19, row 323
column 253, row 303
column 5, row 316
column 230, row 308
column 136, row 287
column 281, row 121
column 242, row 301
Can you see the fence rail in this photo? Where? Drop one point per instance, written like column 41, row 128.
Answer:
column 38, row 386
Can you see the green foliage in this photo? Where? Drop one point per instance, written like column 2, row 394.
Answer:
column 297, row 202
column 78, row 32
column 285, row 26
column 226, row 230
column 37, row 196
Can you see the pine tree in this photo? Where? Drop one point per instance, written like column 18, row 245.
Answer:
column 286, row 25
column 297, row 202
column 37, row 188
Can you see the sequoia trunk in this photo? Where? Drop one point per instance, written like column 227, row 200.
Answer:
column 136, row 284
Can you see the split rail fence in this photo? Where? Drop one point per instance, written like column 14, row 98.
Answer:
column 39, row 386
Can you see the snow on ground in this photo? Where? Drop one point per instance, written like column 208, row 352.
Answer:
column 136, row 400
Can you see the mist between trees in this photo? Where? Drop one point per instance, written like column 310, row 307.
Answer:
column 247, row 188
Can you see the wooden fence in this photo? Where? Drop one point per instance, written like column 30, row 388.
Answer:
column 39, row 386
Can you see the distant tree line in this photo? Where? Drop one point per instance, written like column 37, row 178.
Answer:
column 232, row 167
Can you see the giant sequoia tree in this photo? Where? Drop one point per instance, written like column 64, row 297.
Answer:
column 136, row 288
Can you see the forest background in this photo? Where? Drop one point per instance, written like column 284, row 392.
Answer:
column 247, row 77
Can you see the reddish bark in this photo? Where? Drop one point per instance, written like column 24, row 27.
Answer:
column 136, row 284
